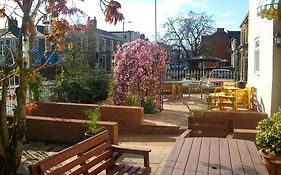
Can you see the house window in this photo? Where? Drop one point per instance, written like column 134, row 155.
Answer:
column 103, row 62
column 118, row 44
column 103, row 44
column 111, row 45
column 257, row 56
column 2, row 56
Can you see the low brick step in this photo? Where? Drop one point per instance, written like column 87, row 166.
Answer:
column 147, row 128
column 245, row 134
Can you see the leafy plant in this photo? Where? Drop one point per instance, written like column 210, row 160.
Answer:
column 269, row 134
column 191, row 112
column 208, row 102
column 132, row 100
column 93, row 115
column 82, row 85
column 36, row 86
column 148, row 107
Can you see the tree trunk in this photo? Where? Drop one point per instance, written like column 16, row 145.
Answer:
column 11, row 145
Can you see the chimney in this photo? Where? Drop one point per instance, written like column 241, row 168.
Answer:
column 95, row 23
column 220, row 30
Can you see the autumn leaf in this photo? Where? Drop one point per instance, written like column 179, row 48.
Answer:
column 30, row 107
column 112, row 15
column 2, row 13
column 31, row 29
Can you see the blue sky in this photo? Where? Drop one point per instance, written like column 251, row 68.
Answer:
column 227, row 14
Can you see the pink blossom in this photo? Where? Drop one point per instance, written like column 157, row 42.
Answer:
column 139, row 66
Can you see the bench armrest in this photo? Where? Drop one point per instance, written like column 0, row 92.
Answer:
column 186, row 134
column 122, row 150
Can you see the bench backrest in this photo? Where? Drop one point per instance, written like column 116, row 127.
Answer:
column 209, row 127
column 93, row 153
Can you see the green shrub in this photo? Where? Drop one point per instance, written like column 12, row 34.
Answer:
column 82, row 85
column 269, row 134
column 148, row 107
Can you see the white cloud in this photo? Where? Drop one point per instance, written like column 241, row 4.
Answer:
column 225, row 14
column 141, row 13
column 227, row 24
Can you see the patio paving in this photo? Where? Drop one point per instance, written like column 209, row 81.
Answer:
column 174, row 113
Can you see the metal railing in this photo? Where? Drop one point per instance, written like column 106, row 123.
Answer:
column 175, row 75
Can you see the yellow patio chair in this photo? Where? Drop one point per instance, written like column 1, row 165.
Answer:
column 229, row 83
column 242, row 99
column 252, row 97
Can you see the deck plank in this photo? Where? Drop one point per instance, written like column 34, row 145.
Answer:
column 248, row 165
column 257, row 161
column 236, row 162
column 182, row 158
column 203, row 164
column 214, row 166
column 225, row 157
column 173, row 156
column 191, row 166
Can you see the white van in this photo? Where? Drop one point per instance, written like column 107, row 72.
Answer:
column 217, row 76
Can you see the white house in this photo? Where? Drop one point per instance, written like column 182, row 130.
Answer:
column 264, row 59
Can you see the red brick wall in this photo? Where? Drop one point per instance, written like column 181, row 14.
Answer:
column 129, row 119
column 63, row 130
column 54, row 130
column 241, row 119
column 62, row 110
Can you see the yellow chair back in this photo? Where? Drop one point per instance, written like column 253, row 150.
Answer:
column 229, row 83
column 242, row 99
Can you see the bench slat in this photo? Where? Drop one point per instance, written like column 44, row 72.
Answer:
column 95, row 161
column 104, row 166
column 115, row 169
column 91, row 156
column 82, row 159
column 74, row 150
column 133, row 170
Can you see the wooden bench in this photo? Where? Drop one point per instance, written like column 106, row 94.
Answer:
column 91, row 156
column 209, row 127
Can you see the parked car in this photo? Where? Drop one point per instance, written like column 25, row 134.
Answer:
column 217, row 76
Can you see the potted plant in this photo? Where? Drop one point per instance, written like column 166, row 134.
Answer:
column 268, row 140
column 92, row 126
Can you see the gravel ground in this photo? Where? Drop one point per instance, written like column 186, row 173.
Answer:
column 175, row 112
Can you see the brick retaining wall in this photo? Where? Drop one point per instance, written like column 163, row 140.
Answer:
column 241, row 119
column 245, row 122
column 129, row 118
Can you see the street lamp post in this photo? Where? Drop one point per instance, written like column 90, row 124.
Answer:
column 155, row 22
column 123, row 31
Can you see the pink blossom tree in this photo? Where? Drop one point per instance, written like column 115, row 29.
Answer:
column 138, row 69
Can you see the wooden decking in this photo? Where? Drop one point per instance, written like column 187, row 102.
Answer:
column 216, row 156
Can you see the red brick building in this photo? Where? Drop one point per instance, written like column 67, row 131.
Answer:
column 219, row 45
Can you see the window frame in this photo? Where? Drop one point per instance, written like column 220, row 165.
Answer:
column 257, row 56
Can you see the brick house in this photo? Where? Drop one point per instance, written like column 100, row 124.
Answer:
column 243, row 49
column 222, row 47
